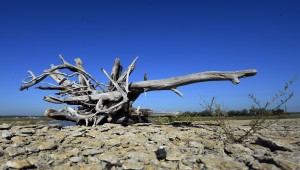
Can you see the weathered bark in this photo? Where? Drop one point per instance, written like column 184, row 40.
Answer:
column 171, row 83
column 52, row 71
column 115, row 74
column 82, row 80
column 97, row 106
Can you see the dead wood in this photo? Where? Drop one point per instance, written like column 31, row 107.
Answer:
column 99, row 103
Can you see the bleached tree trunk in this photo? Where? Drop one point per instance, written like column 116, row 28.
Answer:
column 100, row 103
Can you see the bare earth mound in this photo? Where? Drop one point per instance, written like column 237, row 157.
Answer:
column 112, row 146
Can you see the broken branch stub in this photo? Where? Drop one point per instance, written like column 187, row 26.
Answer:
column 100, row 103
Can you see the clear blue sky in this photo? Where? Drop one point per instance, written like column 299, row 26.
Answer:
column 171, row 38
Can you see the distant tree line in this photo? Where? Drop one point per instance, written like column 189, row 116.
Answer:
column 243, row 112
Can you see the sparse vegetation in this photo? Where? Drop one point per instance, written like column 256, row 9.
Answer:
column 258, row 112
column 23, row 120
column 162, row 120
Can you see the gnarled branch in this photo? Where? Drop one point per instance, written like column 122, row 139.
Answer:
column 172, row 83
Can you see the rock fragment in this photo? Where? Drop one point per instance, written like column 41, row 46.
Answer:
column 6, row 134
column 19, row 164
column 272, row 145
column 5, row 126
column 47, row 146
column 91, row 152
column 132, row 164
column 161, row 153
column 14, row 151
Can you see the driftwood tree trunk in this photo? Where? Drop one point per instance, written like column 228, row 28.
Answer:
column 99, row 103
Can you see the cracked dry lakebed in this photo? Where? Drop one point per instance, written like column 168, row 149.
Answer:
column 112, row 146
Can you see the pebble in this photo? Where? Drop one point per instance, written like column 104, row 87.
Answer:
column 19, row 164
column 132, row 164
column 7, row 134
column 5, row 126
column 91, row 152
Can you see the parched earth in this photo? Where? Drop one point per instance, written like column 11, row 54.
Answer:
column 112, row 146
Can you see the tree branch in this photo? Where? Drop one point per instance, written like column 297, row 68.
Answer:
column 53, row 69
column 115, row 73
column 67, row 113
column 172, row 83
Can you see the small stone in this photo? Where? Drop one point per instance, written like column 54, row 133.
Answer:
column 50, row 162
column 91, row 152
column 150, row 167
column 92, row 133
column 60, row 137
column 189, row 160
column 194, row 151
column 125, row 144
column 169, row 164
column 32, row 149
column 67, row 167
column 112, row 142
column 182, row 166
column 5, row 126
column 212, row 144
column 47, row 146
column 271, row 144
column 13, row 151
column 22, row 164
column 132, row 164
column 158, row 138
column 268, row 166
column 19, row 141
column 196, row 144
column 45, row 128
column 27, row 131
column 142, row 124
column 34, row 126
column 54, row 126
column 108, row 126
column 76, row 159
column 93, row 160
column 80, row 140
column 242, row 154
column 259, row 150
column 141, row 156
column 7, row 134
column 284, row 164
column 78, row 134
column 174, row 155
column 238, row 149
column 75, row 151
column 121, row 132
column 288, row 160
column 218, row 162
column 109, row 158
column 161, row 153
column 60, row 156
column 5, row 141
column 33, row 160
column 86, row 167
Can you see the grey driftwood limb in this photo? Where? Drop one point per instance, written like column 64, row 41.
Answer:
column 99, row 103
